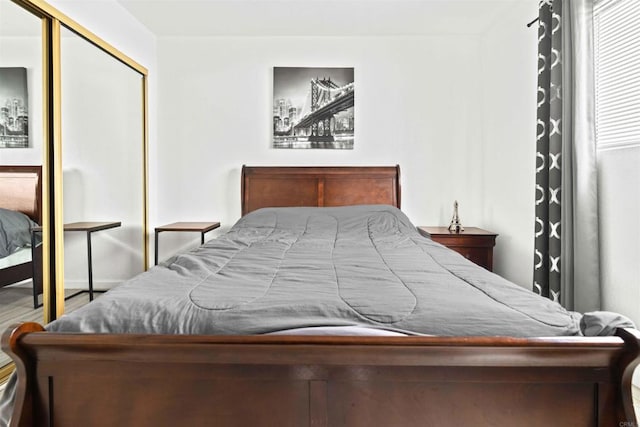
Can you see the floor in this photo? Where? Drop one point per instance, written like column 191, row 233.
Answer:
column 17, row 306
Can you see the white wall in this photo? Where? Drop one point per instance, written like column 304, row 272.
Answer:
column 508, row 111
column 417, row 104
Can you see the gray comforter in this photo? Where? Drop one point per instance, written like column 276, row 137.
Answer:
column 285, row 268
column 291, row 268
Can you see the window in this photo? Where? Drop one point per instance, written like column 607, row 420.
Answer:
column 617, row 73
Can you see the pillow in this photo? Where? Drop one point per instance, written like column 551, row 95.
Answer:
column 15, row 231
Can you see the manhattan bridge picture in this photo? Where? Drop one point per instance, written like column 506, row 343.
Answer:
column 14, row 117
column 313, row 107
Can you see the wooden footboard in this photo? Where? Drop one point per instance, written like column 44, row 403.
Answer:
column 161, row 380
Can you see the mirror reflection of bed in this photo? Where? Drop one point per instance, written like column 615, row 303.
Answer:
column 21, row 293
column 20, row 271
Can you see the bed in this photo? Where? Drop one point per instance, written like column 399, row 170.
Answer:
column 21, row 192
column 229, row 360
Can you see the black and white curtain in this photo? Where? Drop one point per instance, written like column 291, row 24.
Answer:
column 566, row 257
column 546, row 280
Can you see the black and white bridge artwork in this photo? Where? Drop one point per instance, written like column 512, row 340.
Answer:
column 313, row 108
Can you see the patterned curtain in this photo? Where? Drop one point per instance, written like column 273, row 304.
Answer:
column 566, row 260
column 546, row 279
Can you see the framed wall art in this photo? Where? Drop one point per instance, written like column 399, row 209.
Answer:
column 14, row 114
column 313, row 108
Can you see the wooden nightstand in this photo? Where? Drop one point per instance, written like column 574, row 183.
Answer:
column 200, row 227
column 473, row 243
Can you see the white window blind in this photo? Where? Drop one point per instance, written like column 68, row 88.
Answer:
column 617, row 73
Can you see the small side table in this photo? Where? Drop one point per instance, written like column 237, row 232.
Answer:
column 200, row 227
column 89, row 227
column 473, row 243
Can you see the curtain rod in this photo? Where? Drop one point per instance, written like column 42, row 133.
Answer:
column 538, row 18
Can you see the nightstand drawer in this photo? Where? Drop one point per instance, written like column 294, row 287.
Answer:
column 473, row 243
column 481, row 256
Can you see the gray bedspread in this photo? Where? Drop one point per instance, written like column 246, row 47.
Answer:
column 286, row 268
column 304, row 269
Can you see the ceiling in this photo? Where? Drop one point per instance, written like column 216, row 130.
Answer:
column 317, row 17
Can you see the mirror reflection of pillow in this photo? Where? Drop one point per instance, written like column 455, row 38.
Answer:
column 15, row 231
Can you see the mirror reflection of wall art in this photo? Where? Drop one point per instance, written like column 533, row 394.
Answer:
column 313, row 107
column 14, row 117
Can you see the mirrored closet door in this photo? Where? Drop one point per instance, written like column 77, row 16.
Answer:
column 86, row 123
column 21, row 160
column 102, row 169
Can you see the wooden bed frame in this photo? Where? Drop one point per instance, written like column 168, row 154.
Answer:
column 67, row 379
column 21, row 190
column 270, row 186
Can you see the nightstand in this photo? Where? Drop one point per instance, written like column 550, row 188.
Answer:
column 200, row 227
column 473, row 243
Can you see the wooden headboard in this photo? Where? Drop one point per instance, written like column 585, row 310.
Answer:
column 21, row 190
column 279, row 186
